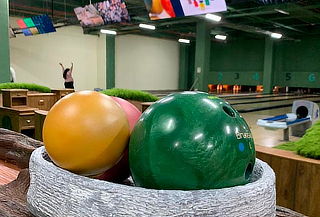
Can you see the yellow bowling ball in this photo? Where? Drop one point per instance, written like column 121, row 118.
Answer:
column 86, row 132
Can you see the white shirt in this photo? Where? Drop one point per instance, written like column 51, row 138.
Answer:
column 12, row 75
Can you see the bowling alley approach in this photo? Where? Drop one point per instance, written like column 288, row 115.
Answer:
column 154, row 108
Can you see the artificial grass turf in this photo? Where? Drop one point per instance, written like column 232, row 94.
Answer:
column 289, row 146
column 308, row 145
column 137, row 95
column 33, row 87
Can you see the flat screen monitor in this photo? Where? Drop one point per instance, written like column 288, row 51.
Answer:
column 40, row 24
column 21, row 24
column 162, row 9
column 102, row 13
column 26, row 32
column 43, row 23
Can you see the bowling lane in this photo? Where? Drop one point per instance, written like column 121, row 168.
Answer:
column 240, row 95
column 258, row 96
column 270, row 99
column 247, row 107
column 162, row 93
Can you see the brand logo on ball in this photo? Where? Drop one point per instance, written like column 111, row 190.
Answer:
column 243, row 135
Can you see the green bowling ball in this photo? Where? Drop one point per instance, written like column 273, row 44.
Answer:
column 190, row 141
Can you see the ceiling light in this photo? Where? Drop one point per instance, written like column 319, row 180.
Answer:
column 106, row 31
column 186, row 41
column 220, row 37
column 213, row 17
column 276, row 35
column 146, row 26
column 282, row 12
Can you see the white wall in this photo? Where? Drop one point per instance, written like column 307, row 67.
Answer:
column 141, row 62
column 146, row 63
column 35, row 58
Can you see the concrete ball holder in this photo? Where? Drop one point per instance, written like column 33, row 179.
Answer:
column 56, row 192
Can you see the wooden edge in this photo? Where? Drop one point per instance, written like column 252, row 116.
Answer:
column 41, row 112
column 8, row 90
column 285, row 154
column 40, row 94
column 65, row 89
column 19, row 109
column 285, row 212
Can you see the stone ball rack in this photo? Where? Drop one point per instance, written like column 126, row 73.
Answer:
column 56, row 192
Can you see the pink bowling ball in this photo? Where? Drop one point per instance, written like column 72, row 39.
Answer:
column 133, row 114
column 121, row 170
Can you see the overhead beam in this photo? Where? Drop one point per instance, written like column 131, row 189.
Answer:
column 270, row 8
column 305, row 15
column 161, row 24
column 265, row 20
column 295, row 16
column 127, row 27
column 152, row 34
column 243, row 28
column 242, row 14
column 69, row 3
column 37, row 10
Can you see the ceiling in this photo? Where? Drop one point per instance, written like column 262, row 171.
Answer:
column 244, row 18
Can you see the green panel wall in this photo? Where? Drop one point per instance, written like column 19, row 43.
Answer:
column 110, row 55
column 309, row 79
column 191, row 67
column 4, row 42
column 237, row 62
column 297, row 63
column 202, row 56
column 268, row 69
column 183, row 66
column 237, row 77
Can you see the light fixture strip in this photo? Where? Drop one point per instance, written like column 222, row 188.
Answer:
column 276, row 35
column 147, row 26
column 282, row 11
column 186, row 41
column 220, row 37
column 107, row 31
column 213, row 17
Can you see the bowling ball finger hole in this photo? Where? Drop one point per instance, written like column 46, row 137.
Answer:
column 248, row 171
column 228, row 111
column 302, row 112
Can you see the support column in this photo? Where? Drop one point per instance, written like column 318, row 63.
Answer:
column 110, row 55
column 268, row 66
column 202, row 57
column 4, row 42
column 183, row 66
